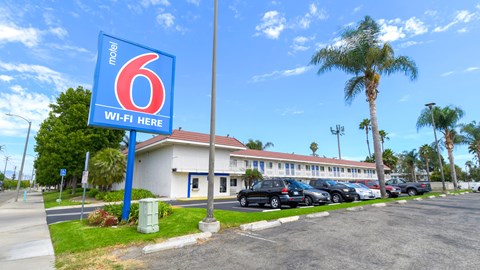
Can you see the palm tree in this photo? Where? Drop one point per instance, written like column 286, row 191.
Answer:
column 426, row 151
column 410, row 158
column 469, row 165
column 314, row 148
column 446, row 120
column 107, row 167
column 363, row 55
column 383, row 137
column 250, row 176
column 365, row 124
column 471, row 134
column 258, row 145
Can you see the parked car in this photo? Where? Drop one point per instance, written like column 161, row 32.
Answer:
column 392, row 192
column 411, row 188
column 476, row 187
column 338, row 192
column 272, row 191
column 312, row 195
column 363, row 192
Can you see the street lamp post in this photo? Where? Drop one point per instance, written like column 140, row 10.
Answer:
column 339, row 131
column 24, row 153
column 430, row 107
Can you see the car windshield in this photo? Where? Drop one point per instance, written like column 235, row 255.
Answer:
column 299, row 185
column 350, row 185
column 362, row 185
column 332, row 183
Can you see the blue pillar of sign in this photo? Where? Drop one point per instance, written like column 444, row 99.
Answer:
column 129, row 177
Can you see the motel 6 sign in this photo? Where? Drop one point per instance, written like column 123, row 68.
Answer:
column 133, row 87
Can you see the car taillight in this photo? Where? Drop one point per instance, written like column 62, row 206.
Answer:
column 422, row 185
column 284, row 190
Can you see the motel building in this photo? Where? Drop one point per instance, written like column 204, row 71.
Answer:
column 176, row 166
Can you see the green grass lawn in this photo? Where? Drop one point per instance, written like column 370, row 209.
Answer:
column 75, row 236
column 50, row 198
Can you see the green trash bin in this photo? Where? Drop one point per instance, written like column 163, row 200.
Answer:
column 148, row 216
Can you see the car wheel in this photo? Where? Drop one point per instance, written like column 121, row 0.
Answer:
column 389, row 194
column 308, row 200
column 478, row 189
column 243, row 201
column 356, row 198
column 293, row 205
column 336, row 198
column 411, row 192
column 275, row 202
column 261, row 204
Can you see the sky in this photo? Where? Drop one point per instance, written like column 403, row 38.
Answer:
column 266, row 88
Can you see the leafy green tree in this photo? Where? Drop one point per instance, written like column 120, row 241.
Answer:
column 250, row 176
column 64, row 138
column 314, row 148
column 363, row 55
column 446, row 120
column 410, row 159
column 390, row 159
column 471, row 133
column 426, row 152
column 448, row 174
column 107, row 167
column 258, row 145
column 383, row 137
column 365, row 125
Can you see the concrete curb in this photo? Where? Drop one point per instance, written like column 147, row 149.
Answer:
column 442, row 195
column 379, row 205
column 355, row 209
column 177, row 242
column 259, row 225
column 431, row 197
column 288, row 219
column 317, row 215
column 418, row 199
column 401, row 201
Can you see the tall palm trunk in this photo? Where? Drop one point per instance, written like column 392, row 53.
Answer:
column 368, row 144
column 413, row 174
column 452, row 167
column 377, row 146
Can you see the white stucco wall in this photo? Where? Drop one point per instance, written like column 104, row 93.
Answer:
column 194, row 158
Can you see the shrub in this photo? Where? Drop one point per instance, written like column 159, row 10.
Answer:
column 102, row 218
column 114, row 209
column 164, row 209
column 100, row 196
column 92, row 193
column 137, row 194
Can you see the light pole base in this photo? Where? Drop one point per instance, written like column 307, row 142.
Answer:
column 212, row 227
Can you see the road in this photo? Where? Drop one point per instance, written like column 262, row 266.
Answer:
column 7, row 195
column 440, row 233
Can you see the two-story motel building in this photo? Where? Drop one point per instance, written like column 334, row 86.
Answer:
column 176, row 166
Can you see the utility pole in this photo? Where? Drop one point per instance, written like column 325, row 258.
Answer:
column 5, row 169
column 339, row 131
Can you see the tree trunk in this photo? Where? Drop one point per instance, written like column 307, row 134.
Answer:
column 413, row 174
column 428, row 169
column 74, row 184
column 368, row 144
column 452, row 167
column 377, row 146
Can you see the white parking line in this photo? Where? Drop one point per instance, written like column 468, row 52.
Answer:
column 244, row 208
column 256, row 237
column 271, row 210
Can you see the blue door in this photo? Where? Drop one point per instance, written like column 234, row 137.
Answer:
column 292, row 168
column 287, row 170
column 255, row 165
column 262, row 166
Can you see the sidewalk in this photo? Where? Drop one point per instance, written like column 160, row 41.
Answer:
column 24, row 236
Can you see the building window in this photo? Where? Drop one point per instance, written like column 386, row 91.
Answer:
column 280, row 165
column 373, row 171
column 307, row 167
column 247, row 163
column 322, row 169
column 233, row 163
column 270, row 165
column 349, row 170
column 233, row 182
column 342, row 169
column 299, row 167
column 195, row 183
column 223, row 184
column 359, row 170
column 330, row 169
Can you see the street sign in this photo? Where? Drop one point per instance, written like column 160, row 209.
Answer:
column 85, row 177
column 63, row 172
column 133, row 87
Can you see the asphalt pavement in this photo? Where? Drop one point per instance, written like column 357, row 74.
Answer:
column 439, row 233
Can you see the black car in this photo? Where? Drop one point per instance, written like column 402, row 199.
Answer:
column 338, row 191
column 272, row 191
column 312, row 195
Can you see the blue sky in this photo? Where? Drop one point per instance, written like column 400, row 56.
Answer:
column 266, row 88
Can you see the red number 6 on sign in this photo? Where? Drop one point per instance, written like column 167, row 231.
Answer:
column 124, row 84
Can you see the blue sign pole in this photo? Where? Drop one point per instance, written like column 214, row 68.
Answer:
column 129, row 177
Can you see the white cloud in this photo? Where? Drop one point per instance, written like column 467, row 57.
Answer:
column 281, row 73
column 166, row 20
column 404, row 98
column 463, row 30
column 409, row 43
column 291, row 111
column 6, row 78
column 273, row 23
column 431, row 13
column 195, row 2
column 40, row 73
column 396, row 29
column 68, row 48
column 448, row 73
column 357, row 9
column 462, row 16
column 313, row 14
column 390, row 33
column 10, row 32
column 59, row 32
column 300, row 44
column 415, row 26
column 17, row 88
column 471, row 69
column 147, row 3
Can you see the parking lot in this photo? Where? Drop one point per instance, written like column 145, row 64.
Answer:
column 437, row 233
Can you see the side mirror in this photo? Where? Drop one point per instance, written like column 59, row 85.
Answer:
column 376, row 186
